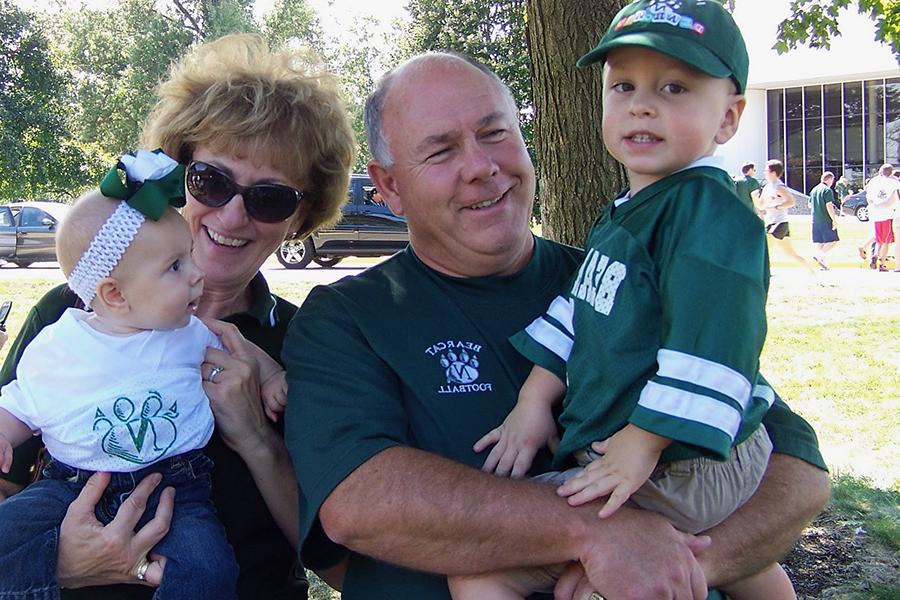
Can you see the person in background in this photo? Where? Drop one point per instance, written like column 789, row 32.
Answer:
column 748, row 186
column 385, row 458
column 774, row 201
column 841, row 191
column 883, row 195
column 824, row 219
column 268, row 150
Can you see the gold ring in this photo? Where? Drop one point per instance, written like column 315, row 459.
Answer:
column 141, row 571
column 215, row 371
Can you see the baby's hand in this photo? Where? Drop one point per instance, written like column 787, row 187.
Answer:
column 527, row 429
column 629, row 457
column 6, row 454
column 274, row 395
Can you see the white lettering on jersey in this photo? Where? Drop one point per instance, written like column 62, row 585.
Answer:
column 598, row 281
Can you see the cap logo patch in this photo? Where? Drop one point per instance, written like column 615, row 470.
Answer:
column 662, row 12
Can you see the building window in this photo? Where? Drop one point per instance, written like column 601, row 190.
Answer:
column 812, row 128
column 892, row 121
column 847, row 128
column 854, row 165
column 834, row 129
column 874, row 129
column 775, row 123
column 793, row 110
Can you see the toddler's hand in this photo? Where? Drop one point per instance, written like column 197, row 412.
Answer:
column 6, row 454
column 274, row 395
column 629, row 457
column 528, row 428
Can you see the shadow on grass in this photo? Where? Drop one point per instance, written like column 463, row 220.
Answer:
column 851, row 550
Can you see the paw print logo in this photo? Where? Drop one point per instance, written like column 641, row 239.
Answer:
column 140, row 437
column 673, row 4
column 460, row 368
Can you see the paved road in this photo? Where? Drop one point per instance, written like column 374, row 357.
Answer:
column 273, row 271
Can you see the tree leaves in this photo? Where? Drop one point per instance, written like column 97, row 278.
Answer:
column 815, row 23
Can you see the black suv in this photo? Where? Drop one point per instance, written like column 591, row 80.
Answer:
column 367, row 228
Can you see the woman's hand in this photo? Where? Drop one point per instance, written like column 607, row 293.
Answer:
column 234, row 392
column 236, row 404
column 93, row 554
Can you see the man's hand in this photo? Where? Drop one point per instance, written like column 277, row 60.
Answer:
column 684, row 581
column 633, row 540
column 93, row 554
column 528, row 428
column 629, row 457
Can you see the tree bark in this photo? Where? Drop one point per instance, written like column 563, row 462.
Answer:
column 576, row 176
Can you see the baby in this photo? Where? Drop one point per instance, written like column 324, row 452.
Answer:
column 117, row 387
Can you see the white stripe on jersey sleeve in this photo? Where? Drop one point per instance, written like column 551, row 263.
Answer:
column 764, row 392
column 550, row 337
column 705, row 373
column 563, row 310
column 690, row 406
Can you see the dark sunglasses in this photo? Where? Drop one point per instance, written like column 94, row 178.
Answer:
column 265, row 202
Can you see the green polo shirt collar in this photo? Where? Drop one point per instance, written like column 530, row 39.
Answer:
column 262, row 303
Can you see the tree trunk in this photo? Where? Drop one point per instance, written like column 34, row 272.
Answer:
column 576, row 176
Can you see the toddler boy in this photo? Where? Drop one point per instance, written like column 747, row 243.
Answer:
column 656, row 344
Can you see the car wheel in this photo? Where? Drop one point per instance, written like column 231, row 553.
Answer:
column 862, row 213
column 327, row 261
column 295, row 254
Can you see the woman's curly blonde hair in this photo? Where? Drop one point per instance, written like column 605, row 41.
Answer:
column 235, row 96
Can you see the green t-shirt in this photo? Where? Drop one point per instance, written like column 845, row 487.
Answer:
column 401, row 355
column 745, row 188
column 819, row 198
column 265, row 557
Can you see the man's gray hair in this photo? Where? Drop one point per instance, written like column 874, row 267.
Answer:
column 374, row 111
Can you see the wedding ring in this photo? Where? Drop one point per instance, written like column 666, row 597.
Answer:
column 141, row 571
column 212, row 374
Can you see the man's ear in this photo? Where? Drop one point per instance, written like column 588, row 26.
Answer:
column 732, row 119
column 109, row 294
column 386, row 184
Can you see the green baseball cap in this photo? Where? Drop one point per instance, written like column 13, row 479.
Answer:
column 699, row 33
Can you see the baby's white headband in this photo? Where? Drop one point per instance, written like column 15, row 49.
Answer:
column 153, row 182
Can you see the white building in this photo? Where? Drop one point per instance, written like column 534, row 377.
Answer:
column 815, row 110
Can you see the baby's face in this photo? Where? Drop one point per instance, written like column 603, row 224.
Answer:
column 158, row 276
column 660, row 115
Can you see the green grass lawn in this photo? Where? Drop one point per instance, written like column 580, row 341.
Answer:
column 833, row 352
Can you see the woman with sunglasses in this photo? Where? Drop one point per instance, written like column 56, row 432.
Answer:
column 268, row 151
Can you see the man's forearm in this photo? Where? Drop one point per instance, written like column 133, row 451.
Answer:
column 425, row 512
column 762, row 531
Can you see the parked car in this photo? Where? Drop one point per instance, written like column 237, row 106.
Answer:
column 856, row 205
column 28, row 231
column 367, row 228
